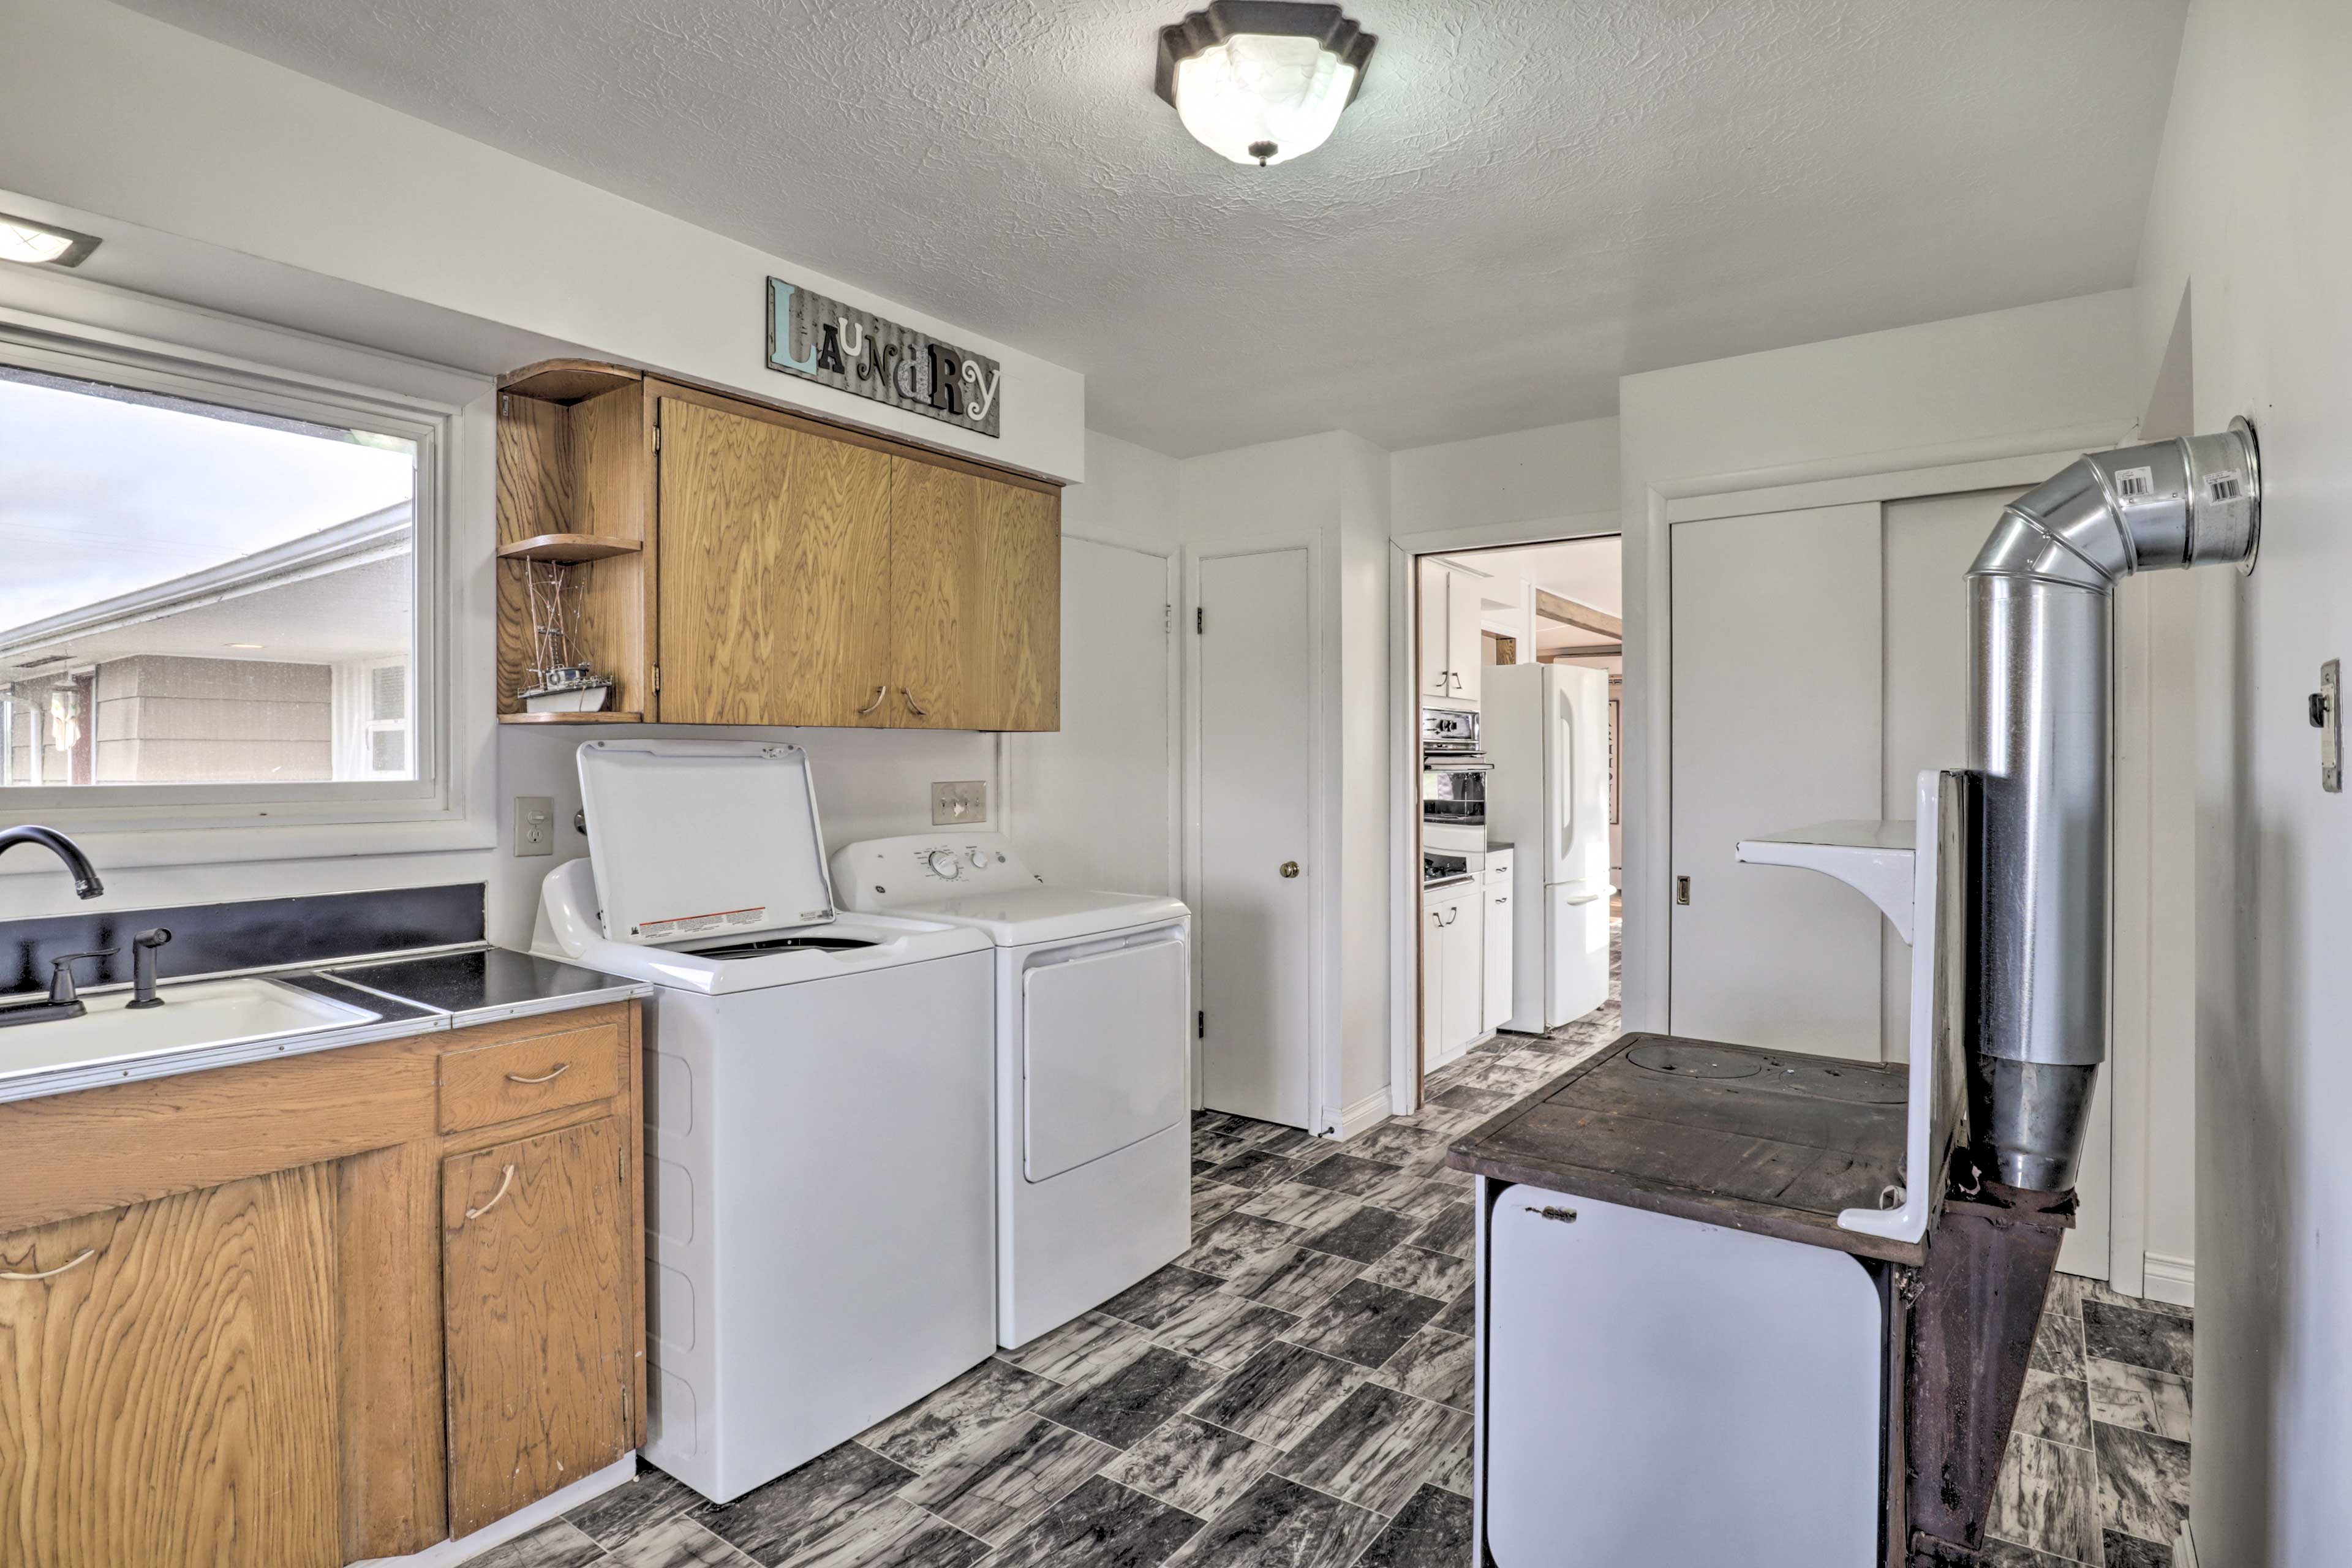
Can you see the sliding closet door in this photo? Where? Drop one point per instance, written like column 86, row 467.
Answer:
column 1778, row 659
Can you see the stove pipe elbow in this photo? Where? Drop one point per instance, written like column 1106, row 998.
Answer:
column 2040, row 600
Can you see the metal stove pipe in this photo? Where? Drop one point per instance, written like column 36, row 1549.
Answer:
column 2039, row 601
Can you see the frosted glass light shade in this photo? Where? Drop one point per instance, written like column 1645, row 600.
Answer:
column 1262, row 98
column 1261, row 82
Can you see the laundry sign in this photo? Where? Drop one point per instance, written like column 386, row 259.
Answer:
column 855, row 350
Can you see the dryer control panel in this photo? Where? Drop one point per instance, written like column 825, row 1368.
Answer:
column 921, row 868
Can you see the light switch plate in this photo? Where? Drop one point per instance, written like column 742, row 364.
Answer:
column 959, row 802
column 534, row 824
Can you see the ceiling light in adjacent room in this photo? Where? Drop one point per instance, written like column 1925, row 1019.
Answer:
column 41, row 243
column 1261, row 82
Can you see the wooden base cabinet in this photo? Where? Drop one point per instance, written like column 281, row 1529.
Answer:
column 534, row 1234
column 271, row 1316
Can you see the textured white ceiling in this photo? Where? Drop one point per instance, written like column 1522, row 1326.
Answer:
column 1530, row 198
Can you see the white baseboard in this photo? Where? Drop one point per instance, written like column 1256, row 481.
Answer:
column 2172, row 1280
column 1365, row 1114
column 555, row 1505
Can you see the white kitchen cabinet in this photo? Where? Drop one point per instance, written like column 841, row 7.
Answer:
column 1450, row 649
column 1498, row 951
column 1464, row 651
column 1453, row 972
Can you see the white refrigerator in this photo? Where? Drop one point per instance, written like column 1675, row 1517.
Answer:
column 1546, row 730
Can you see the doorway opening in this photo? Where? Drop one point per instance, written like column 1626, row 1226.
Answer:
column 1515, row 724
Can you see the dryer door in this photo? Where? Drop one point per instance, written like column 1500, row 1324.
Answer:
column 1102, row 1049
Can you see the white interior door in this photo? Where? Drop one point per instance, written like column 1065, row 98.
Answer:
column 1254, row 925
column 1777, row 657
column 1095, row 800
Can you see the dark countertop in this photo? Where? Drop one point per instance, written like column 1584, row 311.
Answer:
column 488, row 979
column 1770, row 1142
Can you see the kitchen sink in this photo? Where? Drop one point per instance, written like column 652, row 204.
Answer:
column 200, row 1014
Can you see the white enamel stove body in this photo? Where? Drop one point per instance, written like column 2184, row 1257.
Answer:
column 1093, row 1006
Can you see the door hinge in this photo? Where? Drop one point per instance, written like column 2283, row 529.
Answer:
column 1682, row 890
column 621, row 1164
column 657, row 678
column 1200, row 620
column 656, row 435
column 1200, row 1025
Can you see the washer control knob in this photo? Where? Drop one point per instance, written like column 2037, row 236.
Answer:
column 943, row 863
column 978, row 859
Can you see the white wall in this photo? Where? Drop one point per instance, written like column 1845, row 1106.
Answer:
column 259, row 187
column 113, row 113
column 2252, row 219
column 1567, row 471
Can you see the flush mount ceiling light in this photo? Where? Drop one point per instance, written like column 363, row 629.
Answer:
column 41, row 243
column 1261, row 82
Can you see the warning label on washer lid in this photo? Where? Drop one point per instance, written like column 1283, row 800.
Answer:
column 699, row 925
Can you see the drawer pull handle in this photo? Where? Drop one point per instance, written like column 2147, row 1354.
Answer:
column 86, row 1254
column 503, row 1186
column 560, row 1069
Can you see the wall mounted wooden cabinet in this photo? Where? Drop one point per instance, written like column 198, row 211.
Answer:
column 272, row 1316
column 789, row 571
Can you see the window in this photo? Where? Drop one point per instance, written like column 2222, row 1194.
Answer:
column 184, row 580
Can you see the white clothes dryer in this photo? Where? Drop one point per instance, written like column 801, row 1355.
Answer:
column 1093, row 1014
column 817, row 1090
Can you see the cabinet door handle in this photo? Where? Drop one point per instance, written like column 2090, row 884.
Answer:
column 913, row 707
column 81, row 1257
column 503, row 1186
column 881, row 695
column 560, row 1069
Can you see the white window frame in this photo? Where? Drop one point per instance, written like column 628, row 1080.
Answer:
column 132, row 341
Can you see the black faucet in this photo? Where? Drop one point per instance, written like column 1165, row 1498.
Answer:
column 63, row 1001
column 84, row 875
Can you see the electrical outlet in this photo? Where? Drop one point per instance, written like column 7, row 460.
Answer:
column 959, row 802
column 534, row 824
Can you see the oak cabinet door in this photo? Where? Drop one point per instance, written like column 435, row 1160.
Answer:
column 169, row 1382
column 535, row 1305
column 774, row 548
column 976, row 602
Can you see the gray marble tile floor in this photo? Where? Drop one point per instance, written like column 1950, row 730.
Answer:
column 1295, row 1389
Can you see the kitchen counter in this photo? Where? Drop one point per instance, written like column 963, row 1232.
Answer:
column 446, row 990
column 1774, row 1142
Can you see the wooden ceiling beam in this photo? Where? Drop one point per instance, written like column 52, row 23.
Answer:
column 1550, row 607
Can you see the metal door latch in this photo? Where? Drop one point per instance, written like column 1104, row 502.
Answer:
column 2327, row 718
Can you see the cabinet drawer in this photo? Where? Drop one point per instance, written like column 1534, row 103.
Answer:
column 484, row 1085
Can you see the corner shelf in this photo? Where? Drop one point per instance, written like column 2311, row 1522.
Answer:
column 569, row 547
column 571, row 718
column 567, row 380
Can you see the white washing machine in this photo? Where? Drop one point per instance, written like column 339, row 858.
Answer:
column 818, row 1092
column 1093, row 1014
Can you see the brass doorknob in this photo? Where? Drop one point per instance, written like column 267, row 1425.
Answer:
column 1290, row 867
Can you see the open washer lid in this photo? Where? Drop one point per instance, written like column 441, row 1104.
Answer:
column 703, row 837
